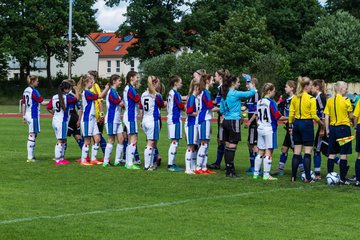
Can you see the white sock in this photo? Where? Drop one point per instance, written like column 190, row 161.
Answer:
column 31, row 146
column 193, row 160
column 148, row 156
column 94, row 151
column 172, row 153
column 108, row 150
column 84, row 152
column 204, row 168
column 63, row 150
column 257, row 164
column 188, row 156
column 119, row 150
column 130, row 152
column 58, row 150
column 267, row 165
column 200, row 156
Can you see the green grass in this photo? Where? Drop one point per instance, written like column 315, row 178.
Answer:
column 110, row 203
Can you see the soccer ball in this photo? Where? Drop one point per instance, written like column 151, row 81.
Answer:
column 303, row 176
column 332, row 178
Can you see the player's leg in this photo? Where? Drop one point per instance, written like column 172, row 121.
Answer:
column 119, row 145
column 96, row 144
column 132, row 142
column 174, row 135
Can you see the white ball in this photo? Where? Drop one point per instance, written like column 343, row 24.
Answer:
column 332, row 178
column 303, row 176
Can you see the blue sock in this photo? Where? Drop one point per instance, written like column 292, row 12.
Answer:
column 283, row 159
column 317, row 162
column 220, row 153
column 103, row 144
column 252, row 159
column 156, row 154
column 137, row 157
column 125, row 146
column 80, row 142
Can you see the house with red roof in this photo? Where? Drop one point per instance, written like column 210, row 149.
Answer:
column 112, row 51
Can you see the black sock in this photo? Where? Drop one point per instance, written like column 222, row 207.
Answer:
column 307, row 165
column 343, row 169
column 295, row 164
column 229, row 156
column 330, row 165
column 357, row 169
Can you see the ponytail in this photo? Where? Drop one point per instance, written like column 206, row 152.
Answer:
column 83, row 80
column 301, row 84
column 31, row 79
column 266, row 88
column 61, row 89
column 129, row 75
column 113, row 78
column 152, row 80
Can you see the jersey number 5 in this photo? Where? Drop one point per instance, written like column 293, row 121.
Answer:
column 146, row 104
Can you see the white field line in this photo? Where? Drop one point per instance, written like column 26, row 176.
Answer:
column 156, row 205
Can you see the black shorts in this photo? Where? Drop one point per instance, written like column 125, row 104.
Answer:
column 100, row 126
column 337, row 132
column 231, row 131
column 303, row 132
column 321, row 143
column 288, row 141
column 253, row 136
column 72, row 128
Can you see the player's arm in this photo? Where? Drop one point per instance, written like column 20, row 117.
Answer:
column 327, row 120
column 79, row 119
column 23, row 108
column 49, row 107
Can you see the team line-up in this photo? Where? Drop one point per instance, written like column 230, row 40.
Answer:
column 77, row 110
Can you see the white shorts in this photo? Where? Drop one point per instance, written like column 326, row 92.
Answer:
column 266, row 139
column 204, row 129
column 34, row 124
column 89, row 128
column 151, row 129
column 114, row 128
column 175, row 131
column 131, row 127
column 192, row 135
column 60, row 129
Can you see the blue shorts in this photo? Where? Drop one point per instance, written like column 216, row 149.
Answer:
column 303, row 132
column 357, row 138
column 337, row 132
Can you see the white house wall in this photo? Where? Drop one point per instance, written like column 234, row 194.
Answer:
column 124, row 68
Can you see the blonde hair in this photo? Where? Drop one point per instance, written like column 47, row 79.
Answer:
column 84, row 79
column 255, row 81
column 292, row 84
column 192, row 86
column 31, row 79
column 151, row 81
column 339, row 85
column 301, row 84
column 266, row 88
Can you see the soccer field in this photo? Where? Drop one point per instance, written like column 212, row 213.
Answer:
column 43, row 201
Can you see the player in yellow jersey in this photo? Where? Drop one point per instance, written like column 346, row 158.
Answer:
column 99, row 112
column 357, row 135
column 301, row 116
column 338, row 114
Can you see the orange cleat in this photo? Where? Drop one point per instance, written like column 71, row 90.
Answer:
column 198, row 172
column 207, row 171
column 85, row 164
column 95, row 162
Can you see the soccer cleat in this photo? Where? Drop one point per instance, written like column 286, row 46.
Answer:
column 317, row 177
column 132, row 167
column 118, row 164
column 352, row 179
column 232, row 175
column 278, row 171
column 213, row 166
column 95, row 162
column 309, row 181
column 255, row 176
column 344, row 182
column 198, row 172
column 87, row 158
column 151, row 168
column 174, row 168
column 207, row 171
column 85, row 164
column 250, row 171
column 101, row 160
column 78, row 160
column 269, row 178
column 190, row 172
column 104, row 164
column 158, row 161
column 357, row 184
column 137, row 162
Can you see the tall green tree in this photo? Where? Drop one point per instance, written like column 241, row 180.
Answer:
column 331, row 49
column 240, row 40
column 287, row 20
column 155, row 25
column 352, row 6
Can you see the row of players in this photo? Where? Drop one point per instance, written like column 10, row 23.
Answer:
column 302, row 112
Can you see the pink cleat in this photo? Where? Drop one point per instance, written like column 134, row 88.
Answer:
column 62, row 162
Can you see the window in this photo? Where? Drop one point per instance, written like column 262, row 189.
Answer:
column 117, row 65
column 132, row 65
column 103, row 39
column 128, row 38
column 118, row 47
column 108, row 66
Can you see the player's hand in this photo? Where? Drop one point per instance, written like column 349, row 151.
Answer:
column 290, row 131
column 221, row 118
column 246, row 125
column 328, row 133
column 321, row 133
column 23, row 119
column 78, row 123
column 141, row 126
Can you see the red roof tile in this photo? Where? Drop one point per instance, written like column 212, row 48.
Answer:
column 108, row 46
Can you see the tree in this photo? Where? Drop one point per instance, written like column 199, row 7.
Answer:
column 154, row 24
column 352, row 6
column 331, row 49
column 240, row 40
column 287, row 20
